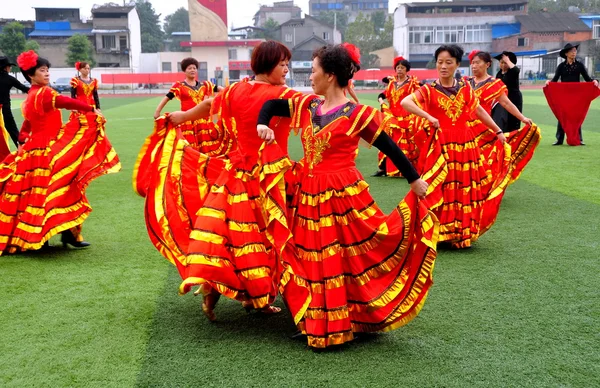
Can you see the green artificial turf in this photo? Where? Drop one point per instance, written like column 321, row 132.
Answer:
column 521, row 308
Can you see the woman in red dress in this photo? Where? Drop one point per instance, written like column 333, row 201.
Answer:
column 83, row 87
column 398, row 87
column 473, row 182
column 200, row 133
column 367, row 271
column 231, row 247
column 492, row 91
column 42, row 185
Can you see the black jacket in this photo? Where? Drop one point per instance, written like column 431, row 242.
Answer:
column 8, row 82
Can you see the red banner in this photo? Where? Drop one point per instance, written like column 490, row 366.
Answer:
column 217, row 6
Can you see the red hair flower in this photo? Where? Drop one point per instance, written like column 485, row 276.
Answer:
column 78, row 66
column 398, row 59
column 27, row 60
column 353, row 51
column 472, row 55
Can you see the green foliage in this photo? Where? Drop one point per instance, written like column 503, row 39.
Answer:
column 563, row 5
column 370, row 34
column 80, row 49
column 32, row 45
column 341, row 19
column 178, row 21
column 152, row 34
column 269, row 31
column 12, row 40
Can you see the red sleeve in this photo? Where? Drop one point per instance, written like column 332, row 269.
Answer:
column 63, row 102
column 25, row 131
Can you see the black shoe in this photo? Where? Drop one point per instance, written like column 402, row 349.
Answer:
column 556, row 143
column 67, row 237
column 379, row 173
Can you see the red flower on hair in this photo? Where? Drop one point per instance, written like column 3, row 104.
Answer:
column 353, row 51
column 77, row 66
column 27, row 60
column 398, row 59
column 472, row 54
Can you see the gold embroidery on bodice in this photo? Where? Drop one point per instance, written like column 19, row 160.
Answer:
column 452, row 106
column 88, row 89
column 314, row 147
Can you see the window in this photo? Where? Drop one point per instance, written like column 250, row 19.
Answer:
column 478, row 33
column 288, row 38
column 178, row 66
column 123, row 43
column 166, row 67
column 326, row 36
column 596, row 29
column 109, row 42
column 232, row 54
column 522, row 42
column 203, row 71
column 420, row 35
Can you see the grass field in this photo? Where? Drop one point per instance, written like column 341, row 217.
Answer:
column 522, row 308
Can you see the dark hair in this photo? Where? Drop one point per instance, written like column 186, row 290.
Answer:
column 83, row 64
column 336, row 60
column 30, row 72
column 268, row 55
column 404, row 63
column 455, row 52
column 484, row 56
column 186, row 62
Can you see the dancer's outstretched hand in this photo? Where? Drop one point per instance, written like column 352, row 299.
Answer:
column 433, row 121
column 595, row 83
column 419, row 187
column 501, row 137
column 526, row 120
column 265, row 133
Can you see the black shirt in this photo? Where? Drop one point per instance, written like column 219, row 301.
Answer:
column 510, row 78
column 571, row 72
column 8, row 82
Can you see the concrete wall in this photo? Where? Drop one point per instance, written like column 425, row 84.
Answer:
column 205, row 25
column 539, row 41
column 53, row 49
column 69, row 72
column 214, row 57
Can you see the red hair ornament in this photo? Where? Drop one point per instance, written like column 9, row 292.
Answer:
column 353, row 51
column 27, row 60
column 472, row 54
column 77, row 66
column 397, row 60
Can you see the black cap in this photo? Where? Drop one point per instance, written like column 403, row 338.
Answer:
column 568, row 47
column 511, row 56
column 5, row 62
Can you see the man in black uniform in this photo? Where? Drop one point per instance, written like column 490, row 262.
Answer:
column 8, row 82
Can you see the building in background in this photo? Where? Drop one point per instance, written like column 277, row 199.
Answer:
column 280, row 12
column 117, row 35
column 351, row 7
column 52, row 29
column 420, row 28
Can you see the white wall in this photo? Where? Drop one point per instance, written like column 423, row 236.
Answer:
column 150, row 63
column 69, row 72
column 135, row 40
column 400, row 34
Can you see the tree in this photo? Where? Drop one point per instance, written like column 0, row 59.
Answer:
column 80, row 50
column 368, row 37
column 178, row 21
column 12, row 40
column 269, row 30
column 32, row 45
column 152, row 34
column 341, row 19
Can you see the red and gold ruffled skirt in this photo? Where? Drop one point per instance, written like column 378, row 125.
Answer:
column 367, row 271
column 42, row 186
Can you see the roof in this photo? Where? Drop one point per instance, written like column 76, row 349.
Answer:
column 552, row 22
column 59, row 33
column 312, row 37
column 463, row 3
column 111, row 8
column 306, row 17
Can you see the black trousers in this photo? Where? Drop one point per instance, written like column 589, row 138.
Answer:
column 9, row 124
column 560, row 134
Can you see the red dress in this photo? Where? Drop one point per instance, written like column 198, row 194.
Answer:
column 367, row 271
column 201, row 133
column 522, row 142
column 395, row 93
column 4, row 137
column 472, row 179
column 85, row 92
column 42, row 186
column 208, row 215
